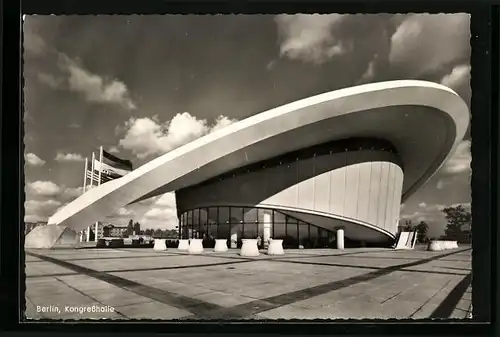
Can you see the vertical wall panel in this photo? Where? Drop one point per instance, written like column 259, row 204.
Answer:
column 337, row 191
column 363, row 191
column 390, row 198
column 306, row 188
column 382, row 199
column 321, row 191
column 374, row 192
column 398, row 188
column 351, row 194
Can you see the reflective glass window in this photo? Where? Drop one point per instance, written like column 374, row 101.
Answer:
column 279, row 217
column 223, row 214
column 251, row 215
column 236, row 215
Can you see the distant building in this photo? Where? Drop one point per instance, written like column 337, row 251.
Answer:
column 114, row 230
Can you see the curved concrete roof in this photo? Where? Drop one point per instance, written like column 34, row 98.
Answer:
column 425, row 121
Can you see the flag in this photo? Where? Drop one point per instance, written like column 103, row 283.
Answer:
column 112, row 167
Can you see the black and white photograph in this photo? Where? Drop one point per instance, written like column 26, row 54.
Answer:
column 247, row 167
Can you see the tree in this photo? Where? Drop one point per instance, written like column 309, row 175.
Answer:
column 408, row 226
column 148, row 231
column 158, row 233
column 459, row 222
column 422, row 229
column 130, row 227
column 137, row 228
column 105, row 231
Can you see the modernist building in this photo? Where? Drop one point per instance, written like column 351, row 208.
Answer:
column 340, row 160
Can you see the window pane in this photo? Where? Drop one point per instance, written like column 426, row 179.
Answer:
column 279, row 217
column 251, row 215
column 304, row 235
column 212, row 230
column 291, row 234
column 190, row 218
column 250, row 231
column 279, row 231
column 212, row 215
column 223, row 214
column 204, row 216
column 236, row 215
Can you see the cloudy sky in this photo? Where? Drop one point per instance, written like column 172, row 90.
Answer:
column 143, row 85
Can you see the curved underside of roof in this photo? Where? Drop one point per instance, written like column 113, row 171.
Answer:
column 423, row 120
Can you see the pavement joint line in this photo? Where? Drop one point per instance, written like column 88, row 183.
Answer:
column 430, row 298
column 146, row 269
column 195, row 306
column 364, row 267
column 273, row 302
column 86, row 295
column 109, row 258
column 446, row 307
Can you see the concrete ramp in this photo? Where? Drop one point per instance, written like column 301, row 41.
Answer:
column 51, row 236
column 406, row 240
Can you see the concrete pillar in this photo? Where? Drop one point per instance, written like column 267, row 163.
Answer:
column 96, row 230
column 267, row 228
column 88, row 233
column 81, row 236
column 340, row 238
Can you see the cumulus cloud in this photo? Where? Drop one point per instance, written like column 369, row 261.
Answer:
column 35, row 210
column 114, row 149
column 44, row 198
column 426, row 42
column 123, row 212
column 94, row 87
column 43, row 188
column 33, row 160
column 69, row 157
column 460, row 161
column 50, row 80
column 310, row 38
column 369, row 73
column 422, row 205
column 33, row 43
column 459, row 76
column 148, row 136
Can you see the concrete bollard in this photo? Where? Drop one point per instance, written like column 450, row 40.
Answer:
column 434, row 246
column 195, row 246
column 160, row 245
column 249, row 248
column 220, row 246
column 275, row 248
column 183, row 245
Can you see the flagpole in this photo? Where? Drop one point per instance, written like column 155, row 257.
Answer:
column 85, row 174
column 98, row 183
column 91, row 184
column 84, row 187
column 100, row 164
column 92, row 173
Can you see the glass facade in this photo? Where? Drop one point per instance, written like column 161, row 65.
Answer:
column 222, row 222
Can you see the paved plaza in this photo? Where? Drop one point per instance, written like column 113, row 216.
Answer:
column 302, row 284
